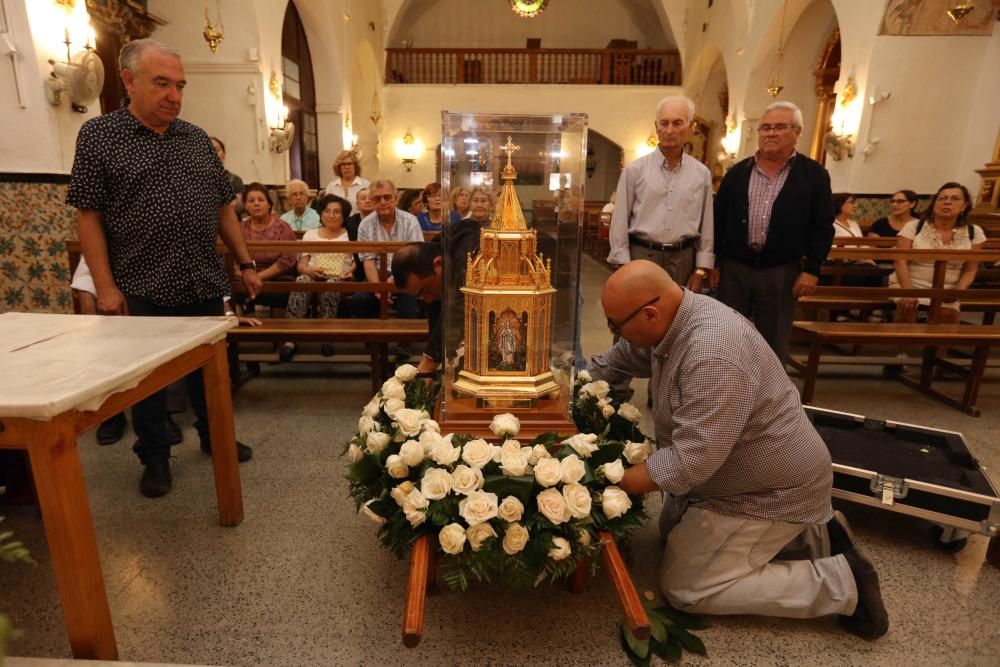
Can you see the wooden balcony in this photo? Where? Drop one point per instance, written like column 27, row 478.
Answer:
column 599, row 67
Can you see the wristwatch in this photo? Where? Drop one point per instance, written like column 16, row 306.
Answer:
column 702, row 273
column 247, row 266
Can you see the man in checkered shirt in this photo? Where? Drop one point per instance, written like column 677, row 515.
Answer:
column 745, row 474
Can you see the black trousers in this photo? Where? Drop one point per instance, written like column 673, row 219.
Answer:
column 149, row 417
column 764, row 296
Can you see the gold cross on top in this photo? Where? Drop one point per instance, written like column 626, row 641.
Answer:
column 509, row 149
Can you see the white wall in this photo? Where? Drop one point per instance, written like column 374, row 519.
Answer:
column 563, row 24
column 623, row 114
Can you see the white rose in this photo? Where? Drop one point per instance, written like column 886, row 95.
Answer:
column 366, row 424
column 548, row 472
column 583, row 444
column 602, row 402
column 615, row 502
column 452, row 538
column 560, row 548
column 629, row 412
column 477, row 507
column 614, row 471
column 583, row 537
column 371, row 409
column 433, row 426
column 354, row 453
column 409, row 421
column 538, row 452
column 511, row 509
column 400, row 492
column 406, row 372
column 376, row 441
column 607, row 411
column 444, row 454
column 585, row 376
column 505, row 424
column 637, row 452
column 392, row 406
column 577, row 498
column 412, row 453
column 368, row 512
column 393, row 388
column 512, row 460
column 515, row 539
column 597, row 389
column 465, row 480
column 436, row 483
column 572, row 468
column 552, row 504
column 478, row 534
column 414, row 506
column 429, row 440
column 396, row 468
column 477, row 453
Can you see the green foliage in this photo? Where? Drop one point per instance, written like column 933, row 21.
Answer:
column 519, row 487
column 670, row 635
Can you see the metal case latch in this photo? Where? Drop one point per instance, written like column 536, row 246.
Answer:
column 889, row 488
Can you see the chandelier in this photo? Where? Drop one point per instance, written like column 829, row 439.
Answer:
column 528, row 9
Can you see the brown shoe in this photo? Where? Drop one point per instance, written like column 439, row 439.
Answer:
column 870, row 620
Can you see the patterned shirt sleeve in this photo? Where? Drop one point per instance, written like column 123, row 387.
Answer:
column 717, row 402
column 366, row 234
column 622, row 362
column 87, row 189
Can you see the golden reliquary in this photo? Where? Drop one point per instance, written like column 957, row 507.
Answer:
column 508, row 310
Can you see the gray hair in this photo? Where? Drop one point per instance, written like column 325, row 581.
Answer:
column 296, row 181
column 677, row 98
column 796, row 112
column 383, row 183
column 128, row 57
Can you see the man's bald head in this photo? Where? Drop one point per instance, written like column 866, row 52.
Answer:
column 641, row 299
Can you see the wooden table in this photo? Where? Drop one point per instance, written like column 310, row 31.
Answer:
column 65, row 374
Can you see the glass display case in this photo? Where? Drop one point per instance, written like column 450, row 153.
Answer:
column 510, row 307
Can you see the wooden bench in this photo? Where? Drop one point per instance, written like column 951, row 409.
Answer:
column 928, row 336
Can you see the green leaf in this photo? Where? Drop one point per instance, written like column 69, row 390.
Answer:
column 519, row 487
column 669, row 650
column 657, row 627
column 684, row 619
column 636, row 650
column 364, row 470
column 689, row 641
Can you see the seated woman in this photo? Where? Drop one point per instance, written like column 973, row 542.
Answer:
column 324, row 267
column 411, row 202
column 902, row 209
column 263, row 225
column 479, row 206
column 433, row 216
column 459, row 203
column 943, row 227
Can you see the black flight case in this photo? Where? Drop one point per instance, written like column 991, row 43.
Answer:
column 923, row 472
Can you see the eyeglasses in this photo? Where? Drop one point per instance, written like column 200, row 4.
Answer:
column 616, row 327
column 951, row 198
column 899, row 201
column 381, row 197
column 779, row 127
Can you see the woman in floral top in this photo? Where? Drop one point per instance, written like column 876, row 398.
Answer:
column 943, row 227
column 263, row 225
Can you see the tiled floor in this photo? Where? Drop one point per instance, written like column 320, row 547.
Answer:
column 304, row 582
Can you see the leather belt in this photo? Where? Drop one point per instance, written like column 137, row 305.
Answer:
column 664, row 247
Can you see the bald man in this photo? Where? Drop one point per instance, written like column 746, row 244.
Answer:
column 746, row 475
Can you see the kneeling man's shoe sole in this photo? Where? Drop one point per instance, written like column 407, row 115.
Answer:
column 870, row 620
column 156, row 480
column 841, row 536
column 243, row 452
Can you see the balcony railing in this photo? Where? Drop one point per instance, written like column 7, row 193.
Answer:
column 626, row 67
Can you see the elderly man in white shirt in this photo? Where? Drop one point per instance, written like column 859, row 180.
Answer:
column 663, row 209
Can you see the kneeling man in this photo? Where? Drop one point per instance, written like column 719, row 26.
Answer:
column 745, row 473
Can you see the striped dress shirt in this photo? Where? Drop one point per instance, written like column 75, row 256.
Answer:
column 762, row 192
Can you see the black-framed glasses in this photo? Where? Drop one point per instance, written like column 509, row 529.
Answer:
column 616, row 327
column 381, row 197
column 778, row 127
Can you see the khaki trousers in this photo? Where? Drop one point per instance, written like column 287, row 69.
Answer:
column 715, row 564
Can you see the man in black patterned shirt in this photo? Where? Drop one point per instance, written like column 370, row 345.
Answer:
column 745, row 473
column 151, row 197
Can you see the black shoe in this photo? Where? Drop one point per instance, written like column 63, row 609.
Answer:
column 326, row 349
column 841, row 537
column 243, row 452
column 870, row 620
column 111, row 430
column 156, row 480
column 174, row 435
column 286, row 352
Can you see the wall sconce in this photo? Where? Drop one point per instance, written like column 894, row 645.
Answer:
column 874, row 99
column 81, row 76
column 728, row 145
column 281, row 131
column 648, row 146
column 839, row 140
column 408, row 149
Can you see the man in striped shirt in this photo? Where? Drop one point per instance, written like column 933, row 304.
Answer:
column 745, row 473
